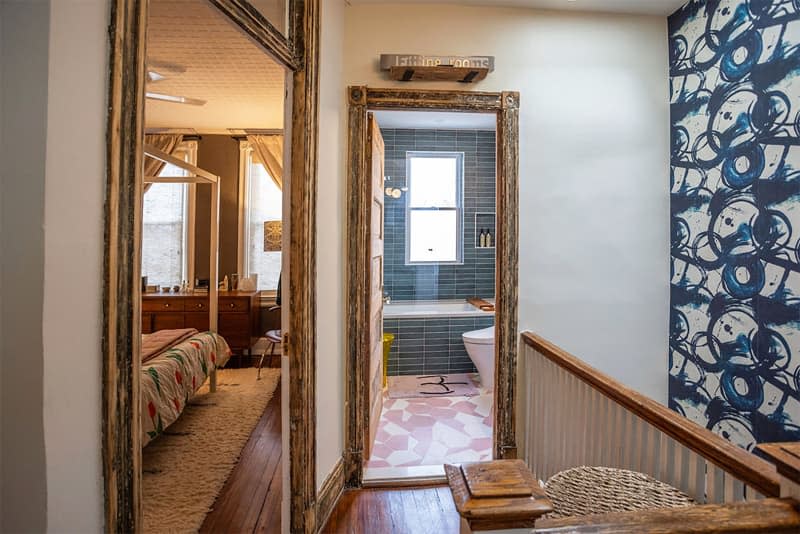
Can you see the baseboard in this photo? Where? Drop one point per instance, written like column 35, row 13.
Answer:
column 328, row 495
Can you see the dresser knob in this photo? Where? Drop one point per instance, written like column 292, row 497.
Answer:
column 166, row 305
column 232, row 305
column 199, row 305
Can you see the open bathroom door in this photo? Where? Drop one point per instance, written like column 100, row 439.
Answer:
column 375, row 150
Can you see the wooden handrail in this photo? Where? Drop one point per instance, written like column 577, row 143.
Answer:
column 766, row 515
column 750, row 469
column 786, row 457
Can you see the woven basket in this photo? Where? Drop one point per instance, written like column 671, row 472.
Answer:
column 601, row 490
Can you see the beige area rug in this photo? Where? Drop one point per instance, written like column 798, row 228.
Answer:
column 455, row 385
column 184, row 469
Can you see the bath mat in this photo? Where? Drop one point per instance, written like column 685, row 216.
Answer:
column 456, row 385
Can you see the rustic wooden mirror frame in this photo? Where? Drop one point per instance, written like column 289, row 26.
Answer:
column 506, row 106
column 299, row 53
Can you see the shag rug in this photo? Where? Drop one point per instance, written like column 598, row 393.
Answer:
column 455, row 385
column 185, row 468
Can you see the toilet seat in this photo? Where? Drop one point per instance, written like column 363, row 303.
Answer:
column 484, row 336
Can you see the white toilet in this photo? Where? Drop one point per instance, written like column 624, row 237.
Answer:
column 480, row 347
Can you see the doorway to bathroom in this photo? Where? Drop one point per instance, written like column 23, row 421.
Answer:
column 433, row 222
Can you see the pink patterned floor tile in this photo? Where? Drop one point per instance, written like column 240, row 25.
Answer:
column 380, row 450
column 419, row 408
column 395, row 416
column 432, row 431
column 420, row 420
column 423, row 434
column 464, row 407
column 452, row 423
column 443, row 413
column 481, row 444
column 441, row 402
column 398, row 443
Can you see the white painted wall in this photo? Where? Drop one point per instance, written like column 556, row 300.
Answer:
column 73, row 274
column 2, row 180
column 23, row 127
column 594, row 126
column 330, row 241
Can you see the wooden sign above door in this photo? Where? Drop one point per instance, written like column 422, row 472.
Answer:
column 412, row 67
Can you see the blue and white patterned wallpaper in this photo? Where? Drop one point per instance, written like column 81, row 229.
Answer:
column 735, row 207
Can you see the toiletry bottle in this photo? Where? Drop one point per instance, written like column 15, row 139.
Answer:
column 482, row 242
column 488, row 238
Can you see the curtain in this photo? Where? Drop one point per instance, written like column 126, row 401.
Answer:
column 269, row 152
column 164, row 142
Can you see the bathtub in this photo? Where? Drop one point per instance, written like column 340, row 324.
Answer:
column 427, row 336
column 415, row 309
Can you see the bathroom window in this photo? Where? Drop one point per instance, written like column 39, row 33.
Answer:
column 434, row 215
column 262, row 201
column 166, row 222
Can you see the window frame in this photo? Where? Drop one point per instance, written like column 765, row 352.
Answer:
column 242, row 260
column 187, row 151
column 459, row 208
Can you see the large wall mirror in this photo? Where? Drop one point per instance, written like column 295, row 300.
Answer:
column 275, row 11
column 289, row 33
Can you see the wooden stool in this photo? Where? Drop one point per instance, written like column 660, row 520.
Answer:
column 496, row 496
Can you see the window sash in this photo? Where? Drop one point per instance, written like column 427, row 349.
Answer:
column 186, row 151
column 458, row 208
column 246, row 221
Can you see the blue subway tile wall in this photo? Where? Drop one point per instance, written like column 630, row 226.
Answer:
column 475, row 277
column 431, row 346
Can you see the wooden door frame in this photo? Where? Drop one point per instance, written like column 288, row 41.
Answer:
column 299, row 53
column 506, row 106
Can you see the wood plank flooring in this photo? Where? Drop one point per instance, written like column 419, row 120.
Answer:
column 250, row 501
column 429, row 510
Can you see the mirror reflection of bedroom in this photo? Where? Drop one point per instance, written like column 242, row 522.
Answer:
column 211, row 271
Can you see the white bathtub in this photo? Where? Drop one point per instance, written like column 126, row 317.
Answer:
column 412, row 309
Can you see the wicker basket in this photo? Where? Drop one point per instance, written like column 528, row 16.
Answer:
column 600, row 490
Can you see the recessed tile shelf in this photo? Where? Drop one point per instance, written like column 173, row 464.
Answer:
column 484, row 221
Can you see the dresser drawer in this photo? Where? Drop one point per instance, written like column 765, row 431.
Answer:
column 198, row 321
column 162, row 304
column 196, row 304
column 168, row 321
column 147, row 323
column 234, row 323
column 234, row 305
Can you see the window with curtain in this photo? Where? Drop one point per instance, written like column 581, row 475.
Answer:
column 434, row 207
column 262, row 201
column 166, row 225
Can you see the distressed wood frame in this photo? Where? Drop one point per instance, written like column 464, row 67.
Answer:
column 506, row 106
column 299, row 52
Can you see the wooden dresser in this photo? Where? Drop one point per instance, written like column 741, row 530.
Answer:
column 238, row 315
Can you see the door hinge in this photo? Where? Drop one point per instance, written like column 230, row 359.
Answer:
column 285, row 344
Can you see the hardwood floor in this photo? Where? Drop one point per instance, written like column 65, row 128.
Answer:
column 429, row 510
column 250, row 501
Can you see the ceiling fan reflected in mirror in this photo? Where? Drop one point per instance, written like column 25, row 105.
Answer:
column 160, row 70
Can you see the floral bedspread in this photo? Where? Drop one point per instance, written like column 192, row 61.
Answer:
column 169, row 380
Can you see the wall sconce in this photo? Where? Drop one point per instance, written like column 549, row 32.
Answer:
column 393, row 192
column 273, row 232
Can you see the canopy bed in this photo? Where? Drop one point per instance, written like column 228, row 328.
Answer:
column 175, row 363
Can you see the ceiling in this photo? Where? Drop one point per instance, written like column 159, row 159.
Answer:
column 431, row 120
column 644, row 7
column 203, row 55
